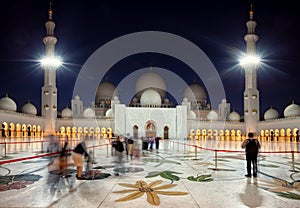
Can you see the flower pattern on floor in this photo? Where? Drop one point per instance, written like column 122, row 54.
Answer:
column 152, row 190
column 281, row 187
column 10, row 182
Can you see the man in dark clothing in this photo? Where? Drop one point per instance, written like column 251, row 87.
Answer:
column 77, row 155
column 252, row 145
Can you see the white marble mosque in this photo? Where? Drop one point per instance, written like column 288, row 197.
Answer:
column 150, row 112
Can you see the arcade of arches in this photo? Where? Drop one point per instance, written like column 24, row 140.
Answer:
column 280, row 135
column 20, row 130
column 30, row 130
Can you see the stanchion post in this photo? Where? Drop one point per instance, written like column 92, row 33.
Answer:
column 184, row 148
column 178, row 145
column 293, row 161
column 42, row 148
column 4, row 148
column 195, row 152
column 106, row 150
column 216, row 159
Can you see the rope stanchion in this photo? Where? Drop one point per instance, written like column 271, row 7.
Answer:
column 196, row 153
column 42, row 146
column 293, row 162
column 4, row 149
column 216, row 159
column 106, row 149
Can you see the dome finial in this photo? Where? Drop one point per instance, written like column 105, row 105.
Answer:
column 50, row 11
column 251, row 11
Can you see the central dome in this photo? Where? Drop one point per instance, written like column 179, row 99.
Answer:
column 151, row 80
column 150, row 98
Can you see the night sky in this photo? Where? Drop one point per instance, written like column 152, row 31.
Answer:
column 217, row 27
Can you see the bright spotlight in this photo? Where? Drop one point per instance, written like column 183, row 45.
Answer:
column 248, row 59
column 50, row 62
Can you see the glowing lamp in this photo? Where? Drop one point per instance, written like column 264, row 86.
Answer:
column 50, row 62
column 247, row 60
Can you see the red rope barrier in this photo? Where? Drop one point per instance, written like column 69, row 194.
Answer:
column 39, row 156
column 239, row 151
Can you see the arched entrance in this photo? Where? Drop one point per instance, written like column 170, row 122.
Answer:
column 166, row 132
column 150, row 129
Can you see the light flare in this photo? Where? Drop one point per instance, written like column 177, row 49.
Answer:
column 53, row 62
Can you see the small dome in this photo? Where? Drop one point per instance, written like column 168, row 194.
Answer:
column 292, row 110
column 271, row 114
column 135, row 100
column 166, row 100
column 89, row 113
column 234, row 116
column 106, row 90
column 195, row 92
column 77, row 97
column 29, row 108
column 150, row 97
column 66, row 113
column 191, row 115
column 8, row 104
column 151, row 80
column 212, row 115
column 185, row 100
column 109, row 113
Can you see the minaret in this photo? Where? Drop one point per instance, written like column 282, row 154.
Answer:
column 251, row 93
column 49, row 90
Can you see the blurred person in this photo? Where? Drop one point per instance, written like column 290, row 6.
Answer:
column 130, row 147
column 63, row 157
column 77, row 155
column 54, row 145
column 136, row 147
column 119, row 148
column 157, row 143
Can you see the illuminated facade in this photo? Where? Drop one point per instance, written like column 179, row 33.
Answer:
column 149, row 113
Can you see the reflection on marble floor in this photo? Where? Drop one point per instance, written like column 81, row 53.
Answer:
column 169, row 172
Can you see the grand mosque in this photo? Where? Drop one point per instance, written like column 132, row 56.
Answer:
column 149, row 112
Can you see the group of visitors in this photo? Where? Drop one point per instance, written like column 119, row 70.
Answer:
column 132, row 147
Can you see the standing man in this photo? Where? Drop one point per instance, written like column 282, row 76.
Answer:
column 252, row 145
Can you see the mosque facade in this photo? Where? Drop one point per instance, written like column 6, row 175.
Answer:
column 149, row 113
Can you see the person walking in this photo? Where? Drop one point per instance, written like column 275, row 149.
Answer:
column 251, row 146
column 119, row 148
column 77, row 155
column 130, row 147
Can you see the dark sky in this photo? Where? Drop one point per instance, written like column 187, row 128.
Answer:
column 215, row 26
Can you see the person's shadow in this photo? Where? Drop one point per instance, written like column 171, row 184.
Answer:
column 251, row 197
